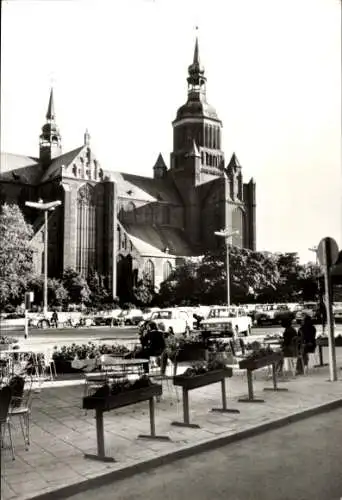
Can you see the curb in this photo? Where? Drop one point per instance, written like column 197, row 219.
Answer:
column 187, row 451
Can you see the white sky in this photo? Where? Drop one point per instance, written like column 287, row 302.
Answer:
column 120, row 68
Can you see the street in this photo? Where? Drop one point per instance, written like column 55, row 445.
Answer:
column 301, row 461
column 67, row 336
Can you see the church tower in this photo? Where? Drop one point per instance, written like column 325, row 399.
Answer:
column 50, row 144
column 197, row 122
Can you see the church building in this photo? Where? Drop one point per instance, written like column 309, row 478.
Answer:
column 125, row 225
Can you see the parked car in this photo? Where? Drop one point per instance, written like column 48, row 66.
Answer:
column 180, row 321
column 129, row 317
column 227, row 321
column 337, row 312
column 107, row 318
column 307, row 309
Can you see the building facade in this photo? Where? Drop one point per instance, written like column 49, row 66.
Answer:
column 124, row 225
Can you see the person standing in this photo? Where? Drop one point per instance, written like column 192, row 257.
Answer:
column 307, row 335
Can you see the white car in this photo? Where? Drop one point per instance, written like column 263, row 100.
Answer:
column 181, row 322
column 230, row 321
column 129, row 317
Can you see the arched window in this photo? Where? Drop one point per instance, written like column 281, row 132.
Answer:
column 86, row 230
column 149, row 271
column 167, row 270
column 237, row 225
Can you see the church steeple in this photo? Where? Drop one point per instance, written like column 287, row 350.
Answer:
column 196, row 79
column 197, row 122
column 50, row 115
column 50, row 144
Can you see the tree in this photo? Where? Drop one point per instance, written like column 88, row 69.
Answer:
column 16, row 263
column 251, row 274
column 57, row 294
column 143, row 292
column 76, row 286
column 181, row 287
column 99, row 294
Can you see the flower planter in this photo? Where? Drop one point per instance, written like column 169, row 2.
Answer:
column 127, row 398
column 64, row 366
column 202, row 379
column 122, row 399
column 324, row 342
column 255, row 364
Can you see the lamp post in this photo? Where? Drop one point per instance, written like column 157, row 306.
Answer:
column 225, row 234
column 45, row 207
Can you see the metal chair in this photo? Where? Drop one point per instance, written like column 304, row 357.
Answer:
column 20, row 407
column 5, row 401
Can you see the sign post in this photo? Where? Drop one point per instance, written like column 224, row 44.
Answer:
column 327, row 254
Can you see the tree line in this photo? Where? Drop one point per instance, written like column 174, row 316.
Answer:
column 255, row 276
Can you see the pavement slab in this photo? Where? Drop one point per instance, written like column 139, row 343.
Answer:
column 62, row 432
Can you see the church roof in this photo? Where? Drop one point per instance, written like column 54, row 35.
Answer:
column 197, row 108
column 19, row 169
column 144, row 188
column 159, row 238
column 55, row 168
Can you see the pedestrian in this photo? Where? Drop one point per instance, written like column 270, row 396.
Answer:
column 307, row 334
column 322, row 315
column 54, row 319
column 289, row 343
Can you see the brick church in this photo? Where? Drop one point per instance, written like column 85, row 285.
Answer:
column 123, row 225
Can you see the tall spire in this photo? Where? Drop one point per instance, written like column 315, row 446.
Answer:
column 50, row 115
column 196, row 52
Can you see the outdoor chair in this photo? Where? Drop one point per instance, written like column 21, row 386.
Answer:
column 49, row 364
column 20, row 407
column 5, row 401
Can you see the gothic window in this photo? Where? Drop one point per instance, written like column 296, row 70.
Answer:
column 119, row 238
column 206, row 138
column 74, row 169
column 166, row 214
column 167, row 270
column 86, row 230
column 202, row 157
column 214, row 137
column 206, row 158
column 149, row 271
column 237, row 225
column 95, row 169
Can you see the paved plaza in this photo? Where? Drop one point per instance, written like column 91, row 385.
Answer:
column 62, row 432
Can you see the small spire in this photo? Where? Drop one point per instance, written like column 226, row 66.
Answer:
column 86, row 138
column 160, row 163
column 194, row 150
column 234, row 162
column 50, row 115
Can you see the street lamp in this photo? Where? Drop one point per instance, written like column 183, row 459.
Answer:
column 45, row 207
column 225, row 234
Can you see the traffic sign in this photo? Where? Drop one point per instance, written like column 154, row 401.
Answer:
column 327, row 252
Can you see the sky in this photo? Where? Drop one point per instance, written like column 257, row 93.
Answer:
column 119, row 69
